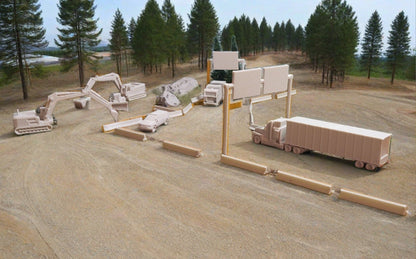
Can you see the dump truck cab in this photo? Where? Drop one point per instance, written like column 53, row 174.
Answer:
column 272, row 134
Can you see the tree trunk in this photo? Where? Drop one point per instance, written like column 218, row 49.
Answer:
column 173, row 65
column 393, row 74
column 117, row 64
column 369, row 67
column 323, row 73
column 331, row 78
column 127, row 62
column 19, row 54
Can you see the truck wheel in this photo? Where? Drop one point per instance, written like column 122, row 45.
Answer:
column 297, row 150
column 288, row 148
column 359, row 164
column 370, row 167
column 256, row 139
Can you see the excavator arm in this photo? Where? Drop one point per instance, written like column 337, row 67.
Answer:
column 111, row 77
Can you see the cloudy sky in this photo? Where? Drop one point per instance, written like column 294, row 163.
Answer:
column 274, row 11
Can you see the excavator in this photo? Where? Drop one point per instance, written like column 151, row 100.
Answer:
column 42, row 119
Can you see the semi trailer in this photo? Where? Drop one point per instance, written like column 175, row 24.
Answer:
column 368, row 149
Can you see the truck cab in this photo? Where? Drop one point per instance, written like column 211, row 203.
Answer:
column 272, row 134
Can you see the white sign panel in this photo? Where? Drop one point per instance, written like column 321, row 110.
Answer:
column 225, row 60
column 247, row 83
column 275, row 79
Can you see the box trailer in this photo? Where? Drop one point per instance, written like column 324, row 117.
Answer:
column 368, row 148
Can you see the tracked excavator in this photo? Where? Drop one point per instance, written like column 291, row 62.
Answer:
column 42, row 119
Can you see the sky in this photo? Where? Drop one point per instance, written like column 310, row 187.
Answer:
column 274, row 11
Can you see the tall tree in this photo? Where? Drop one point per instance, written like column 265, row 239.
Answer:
column 299, row 39
column 79, row 33
column 255, row 36
column 131, row 29
column 335, row 32
column 174, row 34
column 282, row 37
column 119, row 39
column 290, row 35
column 275, row 37
column 264, row 34
column 398, row 42
column 372, row 42
column 202, row 29
column 21, row 30
column 148, row 40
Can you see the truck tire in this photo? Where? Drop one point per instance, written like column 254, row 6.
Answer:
column 256, row 139
column 359, row 164
column 297, row 150
column 288, row 148
column 371, row 167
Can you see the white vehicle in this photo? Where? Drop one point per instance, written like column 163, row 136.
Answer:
column 153, row 120
column 213, row 93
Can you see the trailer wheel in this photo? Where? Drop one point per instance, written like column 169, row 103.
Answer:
column 359, row 164
column 256, row 139
column 288, row 148
column 370, row 167
column 297, row 150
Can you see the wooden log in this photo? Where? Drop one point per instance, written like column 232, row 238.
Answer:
column 247, row 165
column 186, row 150
column 393, row 207
column 121, row 124
column 304, row 182
column 130, row 134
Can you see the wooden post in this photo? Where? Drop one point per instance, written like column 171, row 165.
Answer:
column 289, row 96
column 226, row 118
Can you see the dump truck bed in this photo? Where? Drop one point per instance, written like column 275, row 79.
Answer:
column 339, row 140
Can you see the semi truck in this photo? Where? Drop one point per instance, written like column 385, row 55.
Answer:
column 213, row 94
column 368, row 149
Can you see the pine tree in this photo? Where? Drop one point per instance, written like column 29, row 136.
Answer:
column 264, row 34
column 148, row 41
column 299, row 40
column 119, row 39
column 21, row 30
column 290, row 35
column 202, row 29
column 333, row 30
column 174, row 34
column 255, row 36
column 275, row 37
column 282, row 37
column 131, row 29
column 372, row 43
column 398, row 42
column 78, row 34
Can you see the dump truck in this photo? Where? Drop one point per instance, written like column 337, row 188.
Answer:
column 368, row 149
column 213, row 93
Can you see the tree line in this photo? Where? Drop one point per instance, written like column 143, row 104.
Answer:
column 332, row 38
column 159, row 37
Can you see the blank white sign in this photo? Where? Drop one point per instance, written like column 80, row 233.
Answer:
column 225, row 60
column 275, row 79
column 247, row 83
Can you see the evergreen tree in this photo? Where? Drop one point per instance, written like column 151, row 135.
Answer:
column 398, row 43
column 246, row 35
column 131, row 29
column 282, row 37
column 21, row 30
column 255, row 36
column 290, row 35
column 202, row 29
column 275, row 37
column 334, row 31
column 119, row 39
column 299, row 40
column 234, row 46
column 174, row 34
column 264, row 34
column 148, row 40
column 78, row 34
column 372, row 43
